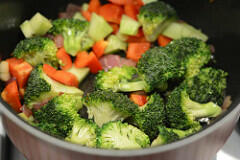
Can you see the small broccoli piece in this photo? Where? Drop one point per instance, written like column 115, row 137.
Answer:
column 151, row 115
column 75, row 33
column 157, row 66
column 168, row 135
column 41, row 88
column 120, row 79
column 105, row 106
column 83, row 132
column 183, row 111
column 117, row 135
column 37, row 50
column 59, row 114
column 155, row 17
column 208, row 86
column 153, row 71
column 193, row 54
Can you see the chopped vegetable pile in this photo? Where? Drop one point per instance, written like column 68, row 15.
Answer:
column 153, row 84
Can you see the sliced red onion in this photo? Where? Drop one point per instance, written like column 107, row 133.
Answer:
column 59, row 41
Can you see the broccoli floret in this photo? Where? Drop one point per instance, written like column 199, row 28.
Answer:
column 75, row 33
column 193, row 54
column 83, row 132
column 157, row 66
column 41, row 88
column 37, row 50
column 151, row 115
column 208, row 86
column 122, row 79
column 117, row 135
column 58, row 115
column 182, row 112
column 105, row 106
column 168, row 135
column 60, row 118
column 155, row 17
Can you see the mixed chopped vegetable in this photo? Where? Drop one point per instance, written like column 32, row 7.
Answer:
column 153, row 84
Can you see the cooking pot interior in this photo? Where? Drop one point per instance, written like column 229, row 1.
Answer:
column 219, row 20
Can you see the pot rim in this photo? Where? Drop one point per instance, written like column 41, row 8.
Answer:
column 9, row 113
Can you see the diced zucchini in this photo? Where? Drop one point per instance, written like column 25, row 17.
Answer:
column 40, row 24
column 79, row 16
column 129, row 26
column 148, row 1
column 4, row 71
column 37, row 26
column 115, row 44
column 121, row 36
column 80, row 73
column 177, row 30
column 29, row 119
column 99, row 28
column 27, row 29
column 84, row 6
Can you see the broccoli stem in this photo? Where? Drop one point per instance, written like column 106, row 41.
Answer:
column 198, row 110
column 132, row 86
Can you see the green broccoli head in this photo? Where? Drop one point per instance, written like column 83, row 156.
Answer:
column 150, row 116
column 37, row 50
column 168, row 135
column 75, row 33
column 41, row 88
column 117, row 135
column 105, row 106
column 192, row 52
column 155, row 17
column 157, row 66
column 122, row 79
column 182, row 112
column 83, row 132
column 208, row 86
column 58, row 115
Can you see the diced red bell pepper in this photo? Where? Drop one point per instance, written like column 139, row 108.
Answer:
column 111, row 13
column 10, row 95
column 163, row 40
column 99, row 47
column 22, row 72
column 138, row 99
column 65, row 59
column 135, row 50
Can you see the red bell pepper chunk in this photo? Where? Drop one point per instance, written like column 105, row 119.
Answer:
column 94, row 6
column 10, row 95
column 135, row 50
column 82, row 60
column 22, row 72
column 13, row 62
column 111, row 13
column 61, row 76
column 87, row 15
column 65, row 59
column 99, row 47
column 131, row 11
column 138, row 99
column 163, row 40
column 94, row 64
column 65, row 78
